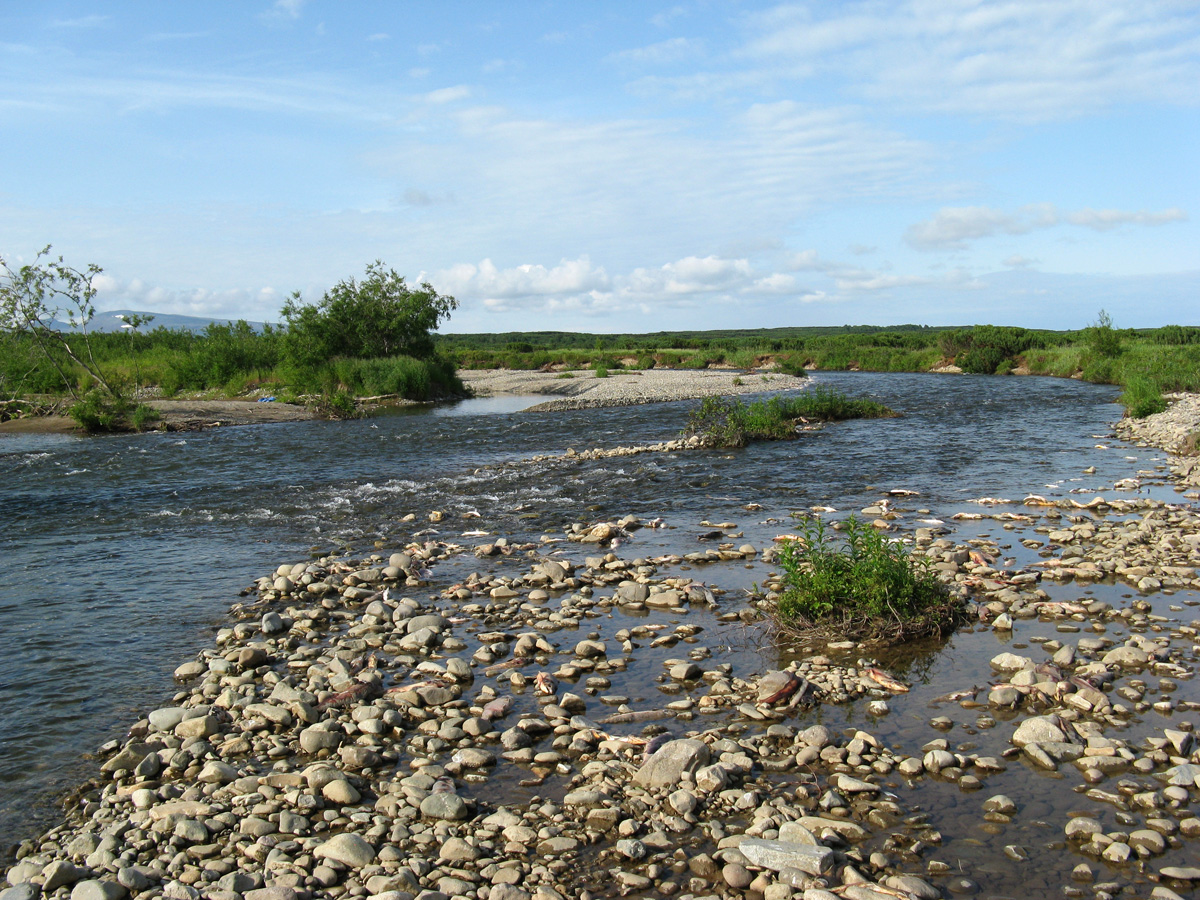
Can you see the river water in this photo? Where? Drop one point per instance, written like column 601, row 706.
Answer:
column 121, row 555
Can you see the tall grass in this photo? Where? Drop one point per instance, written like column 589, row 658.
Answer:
column 728, row 422
column 862, row 585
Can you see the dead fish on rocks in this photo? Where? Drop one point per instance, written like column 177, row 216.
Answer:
column 514, row 663
column 545, row 684
column 885, row 681
column 496, row 709
column 777, row 686
column 638, row 715
column 955, row 696
column 352, row 695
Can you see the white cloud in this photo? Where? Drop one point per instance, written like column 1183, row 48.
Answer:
column 665, row 52
column 286, row 8
column 262, row 304
column 484, row 281
column 1107, row 219
column 93, row 21
column 952, row 227
column 692, row 275
column 1022, row 59
column 1017, row 261
column 379, row 36
column 448, row 95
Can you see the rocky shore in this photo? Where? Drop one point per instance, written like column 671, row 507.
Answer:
column 584, row 389
column 501, row 720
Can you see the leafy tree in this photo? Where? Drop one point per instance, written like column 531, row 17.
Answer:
column 379, row 316
column 1103, row 337
column 35, row 299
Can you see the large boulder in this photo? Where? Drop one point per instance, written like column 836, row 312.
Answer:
column 666, row 766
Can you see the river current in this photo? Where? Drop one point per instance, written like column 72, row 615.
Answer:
column 121, row 555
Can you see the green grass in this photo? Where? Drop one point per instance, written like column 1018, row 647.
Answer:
column 862, row 586
column 728, row 422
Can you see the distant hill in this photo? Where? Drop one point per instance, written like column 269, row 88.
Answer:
column 110, row 320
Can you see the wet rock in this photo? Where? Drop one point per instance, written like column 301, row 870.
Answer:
column 666, row 766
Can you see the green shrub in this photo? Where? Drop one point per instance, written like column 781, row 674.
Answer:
column 728, row 422
column 601, row 372
column 1102, row 337
column 1141, row 398
column 861, row 586
column 791, row 364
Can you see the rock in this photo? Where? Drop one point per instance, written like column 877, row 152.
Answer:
column 95, row 889
column 446, row 806
column 60, row 873
column 1010, row 662
column 666, row 766
column 1039, row 730
column 341, row 792
column 347, row 848
column 911, row 884
column 216, row 772
column 777, row 855
column 1126, row 657
column 25, row 890
column 167, row 718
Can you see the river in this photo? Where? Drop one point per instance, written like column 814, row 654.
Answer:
column 121, row 555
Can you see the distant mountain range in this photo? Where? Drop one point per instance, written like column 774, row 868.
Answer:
column 111, row 320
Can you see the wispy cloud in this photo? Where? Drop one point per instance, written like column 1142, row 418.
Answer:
column 93, row 21
column 1022, row 59
column 665, row 52
column 285, row 9
column 952, row 227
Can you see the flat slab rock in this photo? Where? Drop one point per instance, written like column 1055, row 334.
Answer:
column 780, row 855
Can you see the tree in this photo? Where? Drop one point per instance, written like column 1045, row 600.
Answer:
column 34, row 300
column 379, row 316
column 1103, row 337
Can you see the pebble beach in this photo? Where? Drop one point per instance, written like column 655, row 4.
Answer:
column 450, row 718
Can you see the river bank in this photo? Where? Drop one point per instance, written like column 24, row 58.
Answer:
column 578, row 390
column 337, row 741
column 585, row 389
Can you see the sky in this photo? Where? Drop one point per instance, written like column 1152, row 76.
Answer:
column 616, row 166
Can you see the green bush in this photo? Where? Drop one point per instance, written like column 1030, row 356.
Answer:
column 1141, row 398
column 728, row 422
column 1102, row 337
column 601, row 372
column 861, row 586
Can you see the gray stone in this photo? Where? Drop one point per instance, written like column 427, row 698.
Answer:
column 315, row 739
column 95, row 889
column 347, row 848
column 167, row 718
column 59, row 873
column 666, row 766
column 911, row 884
column 1038, row 730
column 447, row 806
column 25, row 890
column 777, row 855
column 1126, row 657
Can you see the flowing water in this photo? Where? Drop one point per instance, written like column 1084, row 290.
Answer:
column 121, row 555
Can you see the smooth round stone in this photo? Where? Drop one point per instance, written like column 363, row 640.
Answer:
column 347, row 848
column 736, row 876
column 94, row 889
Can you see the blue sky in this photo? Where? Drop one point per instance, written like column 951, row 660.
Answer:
column 616, row 166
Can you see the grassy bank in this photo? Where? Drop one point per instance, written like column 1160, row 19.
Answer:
column 1145, row 362
column 224, row 361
